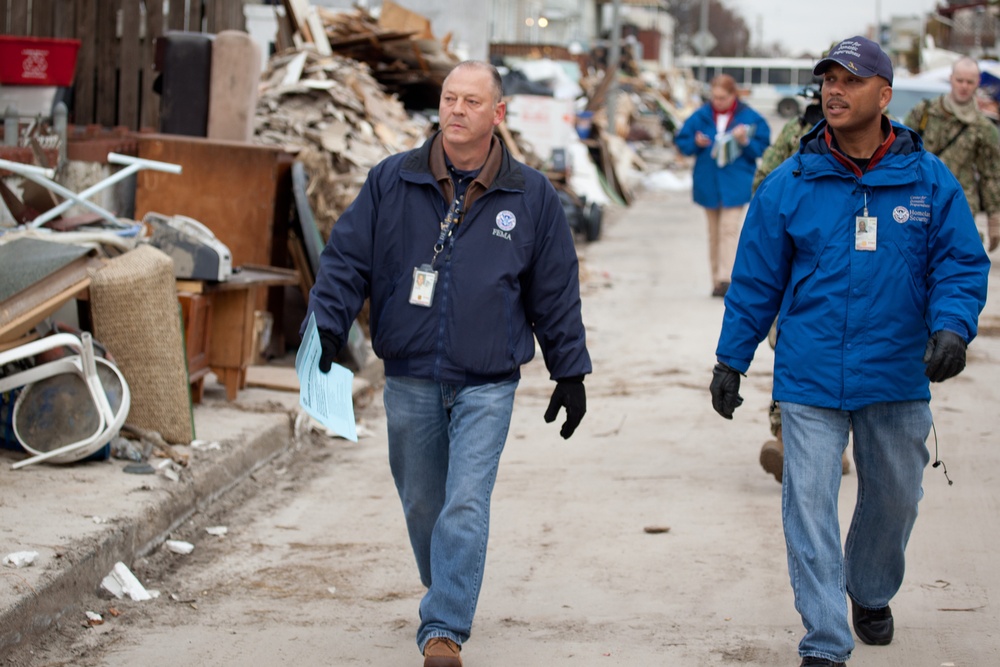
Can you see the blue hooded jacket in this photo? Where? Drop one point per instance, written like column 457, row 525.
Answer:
column 729, row 186
column 853, row 324
column 508, row 271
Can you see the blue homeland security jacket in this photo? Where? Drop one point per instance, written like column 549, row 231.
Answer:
column 508, row 271
column 729, row 186
column 853, row 324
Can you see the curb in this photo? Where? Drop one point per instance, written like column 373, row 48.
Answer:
column 87, row 561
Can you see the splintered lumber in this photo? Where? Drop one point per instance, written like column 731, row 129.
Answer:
column 333, row 114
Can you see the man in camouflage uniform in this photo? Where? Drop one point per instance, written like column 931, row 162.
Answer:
column 954, row 129
column 787, row 142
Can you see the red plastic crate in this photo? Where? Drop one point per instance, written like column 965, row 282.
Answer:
column 37, row 61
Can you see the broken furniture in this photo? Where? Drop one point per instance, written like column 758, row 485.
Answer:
column 38, row 277
column 231, row 313
column 69, row 407
column 44, row 178
column 241, row 192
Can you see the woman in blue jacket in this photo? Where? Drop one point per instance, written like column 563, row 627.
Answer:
column 726, row 137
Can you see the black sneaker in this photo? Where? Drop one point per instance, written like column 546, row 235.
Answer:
column 872, row 626
column 813, row 661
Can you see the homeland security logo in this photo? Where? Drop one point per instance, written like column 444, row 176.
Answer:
column 506, row 222
column 900, row 214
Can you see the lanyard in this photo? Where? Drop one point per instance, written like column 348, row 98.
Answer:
column 447, row 226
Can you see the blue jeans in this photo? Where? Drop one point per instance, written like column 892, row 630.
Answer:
column 445, row 443
column 890, row 454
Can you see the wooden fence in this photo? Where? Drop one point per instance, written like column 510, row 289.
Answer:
column 113, row 86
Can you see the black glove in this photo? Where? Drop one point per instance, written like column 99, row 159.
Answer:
column 725, row 390
column 330, row 344
column 570, row 394
column 944, row 355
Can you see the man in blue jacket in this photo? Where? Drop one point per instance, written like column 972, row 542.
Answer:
column 864, row 244
column 466, row 256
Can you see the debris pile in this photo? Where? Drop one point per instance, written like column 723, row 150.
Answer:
column 399, row 47
column 333, row 114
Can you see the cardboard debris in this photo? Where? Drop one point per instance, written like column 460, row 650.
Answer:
column 337, row 120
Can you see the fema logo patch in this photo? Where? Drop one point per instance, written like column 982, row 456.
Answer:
column 506, row 220
column 900, row 214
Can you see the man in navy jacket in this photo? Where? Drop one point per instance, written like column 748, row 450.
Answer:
column 863, row 244
column 467, row 257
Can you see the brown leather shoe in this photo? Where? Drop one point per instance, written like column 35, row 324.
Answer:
column 441, row 652
column 772, row 456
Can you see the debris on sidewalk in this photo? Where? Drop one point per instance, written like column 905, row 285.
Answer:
column 93, row 618
column 121, row 582
column 179, row 547
column 656, row 530
column 20, row 558
column 333, row 114
column 218, row 531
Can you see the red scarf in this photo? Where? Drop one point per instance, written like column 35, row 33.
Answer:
column 731, row 111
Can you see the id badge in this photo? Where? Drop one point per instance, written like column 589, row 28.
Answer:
column 865, row 232
column 422, row 291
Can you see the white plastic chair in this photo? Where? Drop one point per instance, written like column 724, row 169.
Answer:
column 83, row 364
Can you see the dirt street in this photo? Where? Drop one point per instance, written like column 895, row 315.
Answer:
column 316, row 568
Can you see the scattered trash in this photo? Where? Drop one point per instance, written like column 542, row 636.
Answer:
column 139, row 469
column 121, row 582
column 656, row 530
column 667, row 181
column 179, row 547
column 218, row 531
column 129, row 450
column 93, row 618
column 205, row 444
column 332, row 590
column 20, row 558
column 169, row 469
column 114, row 612
column 98, row 520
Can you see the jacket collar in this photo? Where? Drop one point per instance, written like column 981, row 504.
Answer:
column 419, row 166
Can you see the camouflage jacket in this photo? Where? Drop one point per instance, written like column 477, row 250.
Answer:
column 974, row 157
column 784, row 147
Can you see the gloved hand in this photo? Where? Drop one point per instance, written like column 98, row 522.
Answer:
column 993, row 227
column 570, row 394
column 944, row 355
column 330, row 344
column 725, row 390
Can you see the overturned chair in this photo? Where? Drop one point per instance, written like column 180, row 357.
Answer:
column 68, row 408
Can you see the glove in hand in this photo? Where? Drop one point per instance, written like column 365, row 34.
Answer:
column 330, row 345
column 725, row 390
column 570, row 394
column 944, row 355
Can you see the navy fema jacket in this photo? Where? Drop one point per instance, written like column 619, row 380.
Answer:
column 509, row 271
column 853, row 324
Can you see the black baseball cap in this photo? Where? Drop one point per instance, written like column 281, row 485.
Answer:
column 859, row 55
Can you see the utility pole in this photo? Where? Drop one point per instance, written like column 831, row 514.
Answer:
column 703, row 29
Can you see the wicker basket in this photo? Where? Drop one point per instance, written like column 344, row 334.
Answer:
column 136, row 316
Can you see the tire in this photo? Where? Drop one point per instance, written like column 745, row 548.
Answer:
column 592, row 221
column 788, row 108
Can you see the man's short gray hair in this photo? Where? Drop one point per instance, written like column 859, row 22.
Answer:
column 484, row 67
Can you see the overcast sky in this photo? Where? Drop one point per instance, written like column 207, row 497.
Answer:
column 812, row 25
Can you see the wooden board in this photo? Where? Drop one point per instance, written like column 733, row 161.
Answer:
column 279, row 378
column 235, row 78
column 239, row 191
